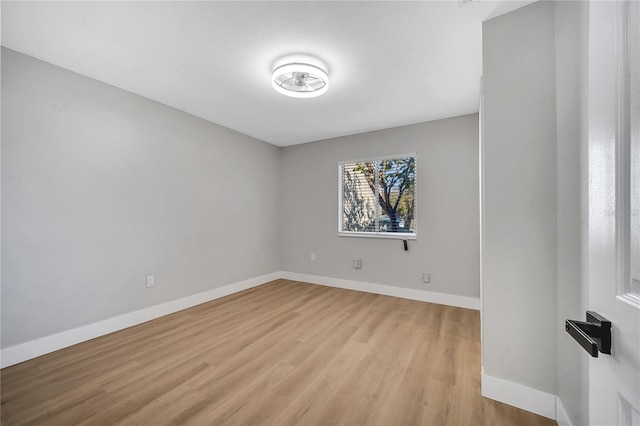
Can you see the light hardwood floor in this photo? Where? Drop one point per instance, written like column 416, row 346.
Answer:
column 285, row 353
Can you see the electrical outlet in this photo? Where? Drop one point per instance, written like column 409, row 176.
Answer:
column 151, row 280
column 357, row 263
column 426, row 278
column 313, row 257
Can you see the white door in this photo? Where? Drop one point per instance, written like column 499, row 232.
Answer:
column 613, row 253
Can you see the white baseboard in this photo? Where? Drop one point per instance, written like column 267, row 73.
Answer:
column 561, row 414
column 519, row 396
column 35, row 348
column 404, row 293
column 25, row 351
column 529, row 399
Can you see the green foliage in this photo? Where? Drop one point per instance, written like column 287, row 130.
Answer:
column 393, row 182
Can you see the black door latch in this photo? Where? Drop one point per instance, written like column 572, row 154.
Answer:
column 594, row 335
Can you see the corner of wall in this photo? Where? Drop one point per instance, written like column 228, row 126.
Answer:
column 561, row 414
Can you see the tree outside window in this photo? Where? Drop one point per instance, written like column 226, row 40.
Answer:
column 378, row 196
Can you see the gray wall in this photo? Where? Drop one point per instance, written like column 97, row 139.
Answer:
column 448, row 225
column 101, row 187
column 520, row 221
column 571, row 19
column 534, row 120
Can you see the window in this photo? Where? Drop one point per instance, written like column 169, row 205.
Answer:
column 628, row 150
column 377, row 197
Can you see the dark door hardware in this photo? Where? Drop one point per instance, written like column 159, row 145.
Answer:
column 593, row 335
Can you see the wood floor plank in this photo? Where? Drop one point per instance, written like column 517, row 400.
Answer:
column 285, row 353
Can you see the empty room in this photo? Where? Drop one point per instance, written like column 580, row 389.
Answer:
column 320, row 213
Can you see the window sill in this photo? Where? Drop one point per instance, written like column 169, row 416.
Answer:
column 382, row 235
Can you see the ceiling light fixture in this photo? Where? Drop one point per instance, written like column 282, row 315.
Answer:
column 300, row 80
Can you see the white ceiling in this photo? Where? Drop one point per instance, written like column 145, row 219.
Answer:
column 389, row 63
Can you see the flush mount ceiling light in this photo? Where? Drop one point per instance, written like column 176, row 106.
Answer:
column 300, row 80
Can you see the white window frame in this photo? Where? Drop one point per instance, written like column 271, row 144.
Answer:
column 378, row 234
